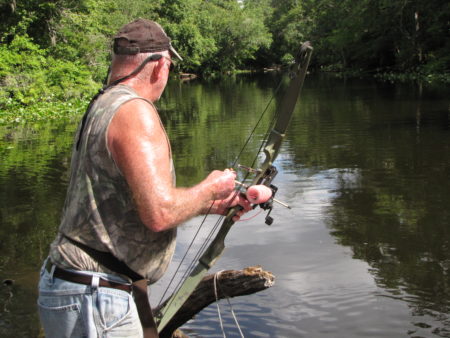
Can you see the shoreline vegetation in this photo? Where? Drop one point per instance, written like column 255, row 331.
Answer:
column 51, row 108
column 54, row 54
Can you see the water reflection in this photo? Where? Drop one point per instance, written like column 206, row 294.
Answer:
column 391, row 210
column 364, row 250
column 33, row 175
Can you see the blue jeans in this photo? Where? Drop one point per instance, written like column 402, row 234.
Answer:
column 68, row 309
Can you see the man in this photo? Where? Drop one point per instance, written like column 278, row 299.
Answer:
column 122, row 207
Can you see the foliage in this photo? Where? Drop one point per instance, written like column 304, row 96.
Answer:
column 42, row 110
column 60, row 49
column 186, row 23
column 28, row 75
column 238, row 33
column 214, row 35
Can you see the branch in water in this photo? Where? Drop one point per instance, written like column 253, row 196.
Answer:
column 230, row 283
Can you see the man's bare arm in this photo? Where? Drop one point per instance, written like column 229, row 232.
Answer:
column 140, row 148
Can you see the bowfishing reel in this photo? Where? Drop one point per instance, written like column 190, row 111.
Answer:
column 265, row 180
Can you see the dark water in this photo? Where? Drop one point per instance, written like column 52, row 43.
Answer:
column 364, row 251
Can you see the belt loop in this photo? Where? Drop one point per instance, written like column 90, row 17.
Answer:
column 52, row 271
column 95, row 282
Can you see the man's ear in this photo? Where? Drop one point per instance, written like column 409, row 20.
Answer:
column 158, row 69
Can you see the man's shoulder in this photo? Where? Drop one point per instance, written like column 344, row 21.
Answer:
column 120, row 96
column 137, row 109
column 135, row 118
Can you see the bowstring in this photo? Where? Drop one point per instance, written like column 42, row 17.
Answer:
column 204, row 245
column 182, row 260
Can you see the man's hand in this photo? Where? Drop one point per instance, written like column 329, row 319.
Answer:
column 234, row 199
column 221, row 183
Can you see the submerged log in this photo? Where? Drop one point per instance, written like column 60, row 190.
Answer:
column 230, row 283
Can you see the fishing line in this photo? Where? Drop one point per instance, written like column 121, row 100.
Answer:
column 216, row 279
column 251, row 217
column 216, row 276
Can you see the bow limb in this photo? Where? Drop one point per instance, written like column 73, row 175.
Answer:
column 277, row 134
column 206, row 261
column 264, row 176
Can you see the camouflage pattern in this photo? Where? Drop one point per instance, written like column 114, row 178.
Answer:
column 99, row 210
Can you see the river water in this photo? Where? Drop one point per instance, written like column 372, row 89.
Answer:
column 364, row 251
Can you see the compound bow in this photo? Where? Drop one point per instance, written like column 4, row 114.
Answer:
column 264, row 175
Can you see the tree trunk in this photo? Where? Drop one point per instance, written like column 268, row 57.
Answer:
column 229, row 283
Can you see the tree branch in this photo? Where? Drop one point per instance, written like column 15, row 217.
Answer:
column 230, row 283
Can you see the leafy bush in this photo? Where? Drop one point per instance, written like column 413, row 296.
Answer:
column 22, row 74
column 28, row 75
column 44, row 110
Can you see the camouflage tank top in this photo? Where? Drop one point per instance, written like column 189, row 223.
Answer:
column 99, row 210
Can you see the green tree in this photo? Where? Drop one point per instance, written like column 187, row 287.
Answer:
column 62, row 47
column 28, row 75
column 239, row 31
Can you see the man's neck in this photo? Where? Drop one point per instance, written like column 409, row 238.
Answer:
column 143, row 90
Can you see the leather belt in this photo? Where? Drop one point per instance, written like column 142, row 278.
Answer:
column 84, row 279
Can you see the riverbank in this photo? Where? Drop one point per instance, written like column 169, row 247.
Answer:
column 391, row 76
column 44, row 110
column 48, row 110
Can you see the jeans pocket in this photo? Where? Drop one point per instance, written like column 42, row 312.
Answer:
column 62, row 321
column 114, row 307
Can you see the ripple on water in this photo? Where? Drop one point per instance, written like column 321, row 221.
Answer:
column 352, row 310
column 340, row 311
column 254, row 320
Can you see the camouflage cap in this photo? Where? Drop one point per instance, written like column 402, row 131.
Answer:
column 143, row 36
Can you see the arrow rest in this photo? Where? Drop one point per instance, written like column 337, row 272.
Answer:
column 268, row 176
column 248, row 169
